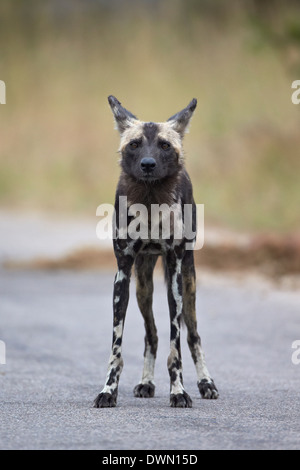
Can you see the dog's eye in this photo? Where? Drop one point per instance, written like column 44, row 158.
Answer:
column 165, row 145
column 134, row 145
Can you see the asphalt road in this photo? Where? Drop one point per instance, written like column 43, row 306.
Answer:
column 57, row 330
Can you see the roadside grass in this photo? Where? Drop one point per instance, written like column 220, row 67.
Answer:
column 58, row 148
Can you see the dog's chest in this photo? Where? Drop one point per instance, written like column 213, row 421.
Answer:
column 155, row 247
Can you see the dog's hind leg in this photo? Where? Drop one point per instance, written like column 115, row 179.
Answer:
column 205, row 383
column 144, row 266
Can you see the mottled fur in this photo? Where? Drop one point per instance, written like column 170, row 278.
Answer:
column 153, row 173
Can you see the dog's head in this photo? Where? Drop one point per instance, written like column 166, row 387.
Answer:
column 151, row 151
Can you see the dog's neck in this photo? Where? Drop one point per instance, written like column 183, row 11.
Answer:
column 162, row 191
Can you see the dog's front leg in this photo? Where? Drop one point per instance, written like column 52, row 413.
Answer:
column 178, row 396
column 108, row 395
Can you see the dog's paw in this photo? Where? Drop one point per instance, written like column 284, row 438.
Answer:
column 180, row 400
column 105, row 400
column 144, row 390
column 207, row 389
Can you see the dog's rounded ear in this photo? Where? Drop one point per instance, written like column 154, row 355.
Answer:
column 180, row 121
column 123, row 117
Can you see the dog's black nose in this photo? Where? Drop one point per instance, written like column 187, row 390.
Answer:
column 148, row 164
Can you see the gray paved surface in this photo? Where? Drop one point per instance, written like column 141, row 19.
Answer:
column 57, row 330
column 29, row 235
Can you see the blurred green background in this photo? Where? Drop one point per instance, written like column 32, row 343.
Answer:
column 61, row 59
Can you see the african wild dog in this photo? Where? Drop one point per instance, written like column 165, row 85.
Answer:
column 153, row 173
